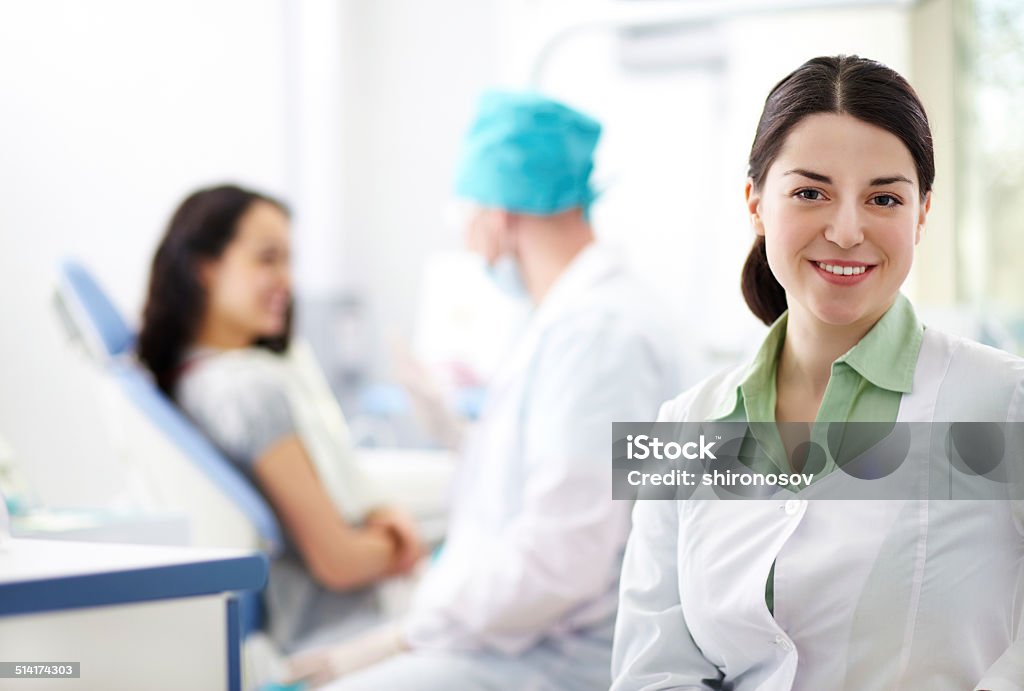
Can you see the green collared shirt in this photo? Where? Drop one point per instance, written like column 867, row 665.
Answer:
column 865, row 385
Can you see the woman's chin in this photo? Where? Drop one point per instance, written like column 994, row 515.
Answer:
column 274, row 328
column 850, row 312
column 847, row 318
column 839, row 315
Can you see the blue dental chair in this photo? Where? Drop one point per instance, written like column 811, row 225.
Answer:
column 185, row 471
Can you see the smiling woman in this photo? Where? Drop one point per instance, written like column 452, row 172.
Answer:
column 792, row 594
column 216, row 334
column 249, row 285
column 847, row 210
column 241, row 232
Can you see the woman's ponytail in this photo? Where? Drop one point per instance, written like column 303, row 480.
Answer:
column 765, row 296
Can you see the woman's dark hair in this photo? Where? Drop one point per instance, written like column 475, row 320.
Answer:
column 845, row 84
column 200, row 229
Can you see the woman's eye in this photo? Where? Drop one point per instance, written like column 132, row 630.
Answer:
column 886, row 200
column 809, row 195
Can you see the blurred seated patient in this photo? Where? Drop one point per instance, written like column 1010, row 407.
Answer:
column 215, row 334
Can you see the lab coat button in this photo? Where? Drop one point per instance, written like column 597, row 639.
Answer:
column 793, row 507
column 783, row 643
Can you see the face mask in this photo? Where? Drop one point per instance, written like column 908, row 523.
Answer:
column 508, row 278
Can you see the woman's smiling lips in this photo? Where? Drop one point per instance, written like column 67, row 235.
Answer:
column 842, row 272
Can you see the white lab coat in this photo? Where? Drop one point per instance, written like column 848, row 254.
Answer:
column 535, row 540
column 868, row 595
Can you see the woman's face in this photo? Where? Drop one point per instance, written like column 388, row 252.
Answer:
column 249, row 286
column 841, row 213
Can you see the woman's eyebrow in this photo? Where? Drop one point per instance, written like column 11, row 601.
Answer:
column 889, row 180
column 809, row 174
column 886, row 180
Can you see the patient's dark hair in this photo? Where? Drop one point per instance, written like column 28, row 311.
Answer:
column 845, row 84
column 200, row 229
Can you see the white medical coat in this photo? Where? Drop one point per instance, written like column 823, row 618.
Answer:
column 868, row 595
column 535, row 541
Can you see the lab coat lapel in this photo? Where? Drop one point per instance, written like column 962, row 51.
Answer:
column 593, row 265
column 932, row 364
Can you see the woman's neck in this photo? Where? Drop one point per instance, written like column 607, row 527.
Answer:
column 222, row 336
column 810, row 348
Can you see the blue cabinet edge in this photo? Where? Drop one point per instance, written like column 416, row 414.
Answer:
column 248, row 572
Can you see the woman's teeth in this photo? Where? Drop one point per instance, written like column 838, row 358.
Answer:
column 842, row 270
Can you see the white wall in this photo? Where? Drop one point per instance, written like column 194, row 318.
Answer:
column 112, row 110
column 353, row 110
column 678, row 131
column 417, row 69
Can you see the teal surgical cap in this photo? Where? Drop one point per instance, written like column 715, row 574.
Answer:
column 528, row 154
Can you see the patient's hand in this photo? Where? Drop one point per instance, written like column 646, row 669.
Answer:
column 402, row 529
column 318, row 667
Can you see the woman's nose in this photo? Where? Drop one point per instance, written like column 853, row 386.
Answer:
column 845, row 228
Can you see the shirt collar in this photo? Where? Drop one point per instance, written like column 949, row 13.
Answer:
column 756, row 390
column 886, row 356
column 588, row 268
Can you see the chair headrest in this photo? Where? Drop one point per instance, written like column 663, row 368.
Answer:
column 89, row 314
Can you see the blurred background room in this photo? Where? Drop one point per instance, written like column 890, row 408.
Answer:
column 352, row 112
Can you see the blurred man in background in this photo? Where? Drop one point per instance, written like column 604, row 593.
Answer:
column 523, row 594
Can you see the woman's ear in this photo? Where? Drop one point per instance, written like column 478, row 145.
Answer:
column 753, row 197
column 926, row 205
